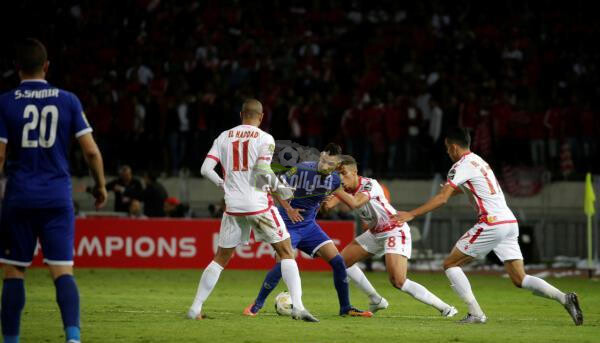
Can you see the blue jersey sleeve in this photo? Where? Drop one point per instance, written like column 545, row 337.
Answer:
column 80, row 123
column 337, row 181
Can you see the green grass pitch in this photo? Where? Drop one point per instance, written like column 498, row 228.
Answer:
column 150, row 306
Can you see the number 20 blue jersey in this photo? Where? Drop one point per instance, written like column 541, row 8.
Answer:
column 38, row 122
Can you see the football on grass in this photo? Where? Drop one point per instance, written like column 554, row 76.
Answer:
column 283, row 304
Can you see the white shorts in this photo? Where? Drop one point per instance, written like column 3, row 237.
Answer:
column 268, row 227
column 483, row 238
column 395, row 242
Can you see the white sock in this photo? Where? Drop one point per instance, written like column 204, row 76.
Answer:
column 462, row 287
column 291, row 277
column 542, row 288
column 423, row 295
column 207, row 283
column 356, row 274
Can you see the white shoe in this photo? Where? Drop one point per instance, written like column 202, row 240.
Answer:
column 303, row 315
column 471, row 319
column 194, row 316
column 381, row 305
column 449, row 312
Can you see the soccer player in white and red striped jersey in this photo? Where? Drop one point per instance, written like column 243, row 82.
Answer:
column 497, row 229
column 245, row 153
column 382, row 237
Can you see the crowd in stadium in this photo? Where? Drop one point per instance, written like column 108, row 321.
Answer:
column 159, row 80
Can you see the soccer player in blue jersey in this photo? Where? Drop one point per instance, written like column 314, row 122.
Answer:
column 313, row 182
column 37, row 124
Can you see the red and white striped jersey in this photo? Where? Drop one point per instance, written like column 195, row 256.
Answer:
column 238, row 150
column 472, row 175
column 377, row 211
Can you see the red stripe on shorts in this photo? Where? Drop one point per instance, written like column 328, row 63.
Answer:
column 275, row 218
column 476, row 235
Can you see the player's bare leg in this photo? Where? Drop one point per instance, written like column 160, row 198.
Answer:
column 58, row 271
column 291, row 277
column 397, row 266
column 461, row 285
column 209, row 279
column 13, row 301
column 353, row 253
column 516, row 271
column 329, row 253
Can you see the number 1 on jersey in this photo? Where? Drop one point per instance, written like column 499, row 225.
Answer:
column 487, row 179
column 236, row 155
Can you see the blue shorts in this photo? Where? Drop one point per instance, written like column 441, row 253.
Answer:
column 20, row 229
column 308, row 236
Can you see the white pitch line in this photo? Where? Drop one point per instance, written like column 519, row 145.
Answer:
column 269, row 314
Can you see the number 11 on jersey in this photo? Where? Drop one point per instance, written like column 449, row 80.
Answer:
column 236, row 155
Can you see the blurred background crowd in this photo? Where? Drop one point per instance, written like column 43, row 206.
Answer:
column 160, row 79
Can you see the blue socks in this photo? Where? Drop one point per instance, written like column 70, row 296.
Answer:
column 340, row 280
column 67, row 297
column 13, row 301
column 271, row 281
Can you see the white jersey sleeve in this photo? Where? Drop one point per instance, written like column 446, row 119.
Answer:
column 214, row 151
column 460, row 173
column 266, row 148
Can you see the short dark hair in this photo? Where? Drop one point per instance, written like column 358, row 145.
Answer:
column 459, row 136
column 30, row 56
column 333, row 149
column 251, row 108
column 347, row 160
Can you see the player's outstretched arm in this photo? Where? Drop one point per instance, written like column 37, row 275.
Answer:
column 457, row 190
column 353, row 201
column 438, row 200
column 93, row 157
column 208, row 170
column 331, row 202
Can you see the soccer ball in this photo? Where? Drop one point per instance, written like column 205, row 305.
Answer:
column 283, row 304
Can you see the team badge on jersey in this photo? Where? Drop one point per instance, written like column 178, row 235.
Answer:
column 451, row 174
